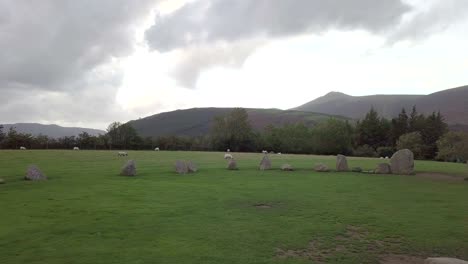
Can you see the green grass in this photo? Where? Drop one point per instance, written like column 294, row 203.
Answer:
column 86, row 213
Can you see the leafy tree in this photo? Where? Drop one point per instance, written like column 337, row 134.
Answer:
column 103, row 141
column 201, row 143
column 2, row 135
column 453, row 146
column 10, row 138
column 67, row 142
column 148, row 143
column 113, row 133
column 42, row 141
column 291, row 138
column 385, row 151
column 52, row 143
column 412, row 141
column 174, row 143
column 14, row 139
column 85, row 140
column 233, row 131
column 364, row 151
column 333, row 137
column 123, row 136
column 296, row 139
column 271, row 139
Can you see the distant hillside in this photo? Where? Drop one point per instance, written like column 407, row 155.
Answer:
column 53, row 131
column 452, row 103
column 198, row 121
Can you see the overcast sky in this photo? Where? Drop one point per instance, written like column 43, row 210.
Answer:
column 91, row 62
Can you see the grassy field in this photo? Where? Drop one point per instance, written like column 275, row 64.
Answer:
column 86, row 213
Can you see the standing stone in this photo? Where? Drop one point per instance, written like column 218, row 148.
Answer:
column 383, row 168
column 265, row 164
column 232, row 165
column 34, row 174
column 192, row 167
column 129, row 169
column 287, row 167
column 181, row 167
column 321, row 168
column 444, row 261
column 402, row 162
column 341, row 163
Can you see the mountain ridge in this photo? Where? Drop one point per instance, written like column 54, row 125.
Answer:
column 51, row 130
column 198, row 121
column 452, row 103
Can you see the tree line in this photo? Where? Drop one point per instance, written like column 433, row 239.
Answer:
column 373, row 136
column 118, row 136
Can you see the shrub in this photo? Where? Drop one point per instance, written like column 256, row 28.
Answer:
column 453, row 147
column 412, row 141
column 365, row 151
column 385, row 151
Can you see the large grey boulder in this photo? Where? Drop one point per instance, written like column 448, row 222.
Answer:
column 184, row 167
column 402, row 162
column 232, row 165
column 181, row 167
column 287, row 167
column 321, row 168
column 383, row 168
column 444, row 261
column 341, row 163
column 192, row 167
column 34, row 174
column 129, row 169
column 265, row 164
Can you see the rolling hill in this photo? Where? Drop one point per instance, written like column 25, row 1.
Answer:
column 198, row 121
column 53, row 131
column 452, row 103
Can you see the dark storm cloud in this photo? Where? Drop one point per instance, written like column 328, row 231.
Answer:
column 52, row 53
column 49, row 43
column 89, row 101
column 207, row 21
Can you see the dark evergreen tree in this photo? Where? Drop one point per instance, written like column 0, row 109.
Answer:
column 372, row 130
column 399, row 126
column 416, row 121
column 434, row 128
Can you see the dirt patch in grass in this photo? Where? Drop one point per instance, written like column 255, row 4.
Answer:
column 263, row 206
column 439, row 177
column 355, row 233
column 400, row 259
column 353, row 242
